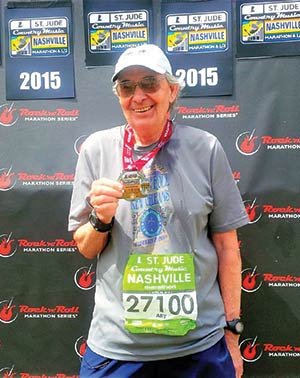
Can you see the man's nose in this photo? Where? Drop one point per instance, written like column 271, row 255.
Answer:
column 139, row 93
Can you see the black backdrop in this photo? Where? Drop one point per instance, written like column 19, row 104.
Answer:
column 46, row 287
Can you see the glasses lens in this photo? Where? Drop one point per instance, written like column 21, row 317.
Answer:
column 149, row 84
column 126, row 88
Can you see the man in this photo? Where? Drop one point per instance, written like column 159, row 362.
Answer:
column 156, row 203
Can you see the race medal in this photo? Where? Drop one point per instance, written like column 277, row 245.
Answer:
column 159, row 294
column 135, row 185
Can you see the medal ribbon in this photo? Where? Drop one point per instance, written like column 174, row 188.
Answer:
column 129, row 140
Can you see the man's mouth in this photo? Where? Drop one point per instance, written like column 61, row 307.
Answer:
column 143, row 110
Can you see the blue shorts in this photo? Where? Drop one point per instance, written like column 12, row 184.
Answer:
column 214, row 362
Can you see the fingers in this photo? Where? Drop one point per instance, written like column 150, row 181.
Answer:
column 104, row 198
column 106, row 187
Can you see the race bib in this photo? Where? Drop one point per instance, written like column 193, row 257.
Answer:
column 159, row 294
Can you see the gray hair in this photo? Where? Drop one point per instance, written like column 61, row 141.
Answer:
column 173, row 80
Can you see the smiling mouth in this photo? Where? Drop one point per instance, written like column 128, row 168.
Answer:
column 143, row 110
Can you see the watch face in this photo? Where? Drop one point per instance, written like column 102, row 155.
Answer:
column 239, row 327
column 236, row 326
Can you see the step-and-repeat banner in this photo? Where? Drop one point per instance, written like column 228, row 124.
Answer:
column 240, row 63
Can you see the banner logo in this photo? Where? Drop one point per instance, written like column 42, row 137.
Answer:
column 197, row 32
column 7, row 372
column 7, row 179
column 219, row 111
column 85, row 278
column 236, row 176
column 247, row 143
column 116, row 31
column 80, row 346
column 78, row 143
column 251, row 281
column 8, row 311
column 47, row 37
column 251, row 351
column 47, row 246
column 8, row 115
column 273, row 22
column 8, row 246
column 253, row 210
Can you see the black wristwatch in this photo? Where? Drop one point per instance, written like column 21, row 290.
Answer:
column 236, row 326
column 98, row 225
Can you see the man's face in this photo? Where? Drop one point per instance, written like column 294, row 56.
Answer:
column 146, row 110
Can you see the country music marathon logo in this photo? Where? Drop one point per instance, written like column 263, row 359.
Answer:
column 85, row 277
column 9, row 179
column 252, row 350
column 249, row 143
column 10, row 372
column 218, row 111
column 9, row 245
column 10, row 115
column 252, row 280
column 256, row 211
column 10, row 311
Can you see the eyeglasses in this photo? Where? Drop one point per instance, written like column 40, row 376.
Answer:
column 148, row 84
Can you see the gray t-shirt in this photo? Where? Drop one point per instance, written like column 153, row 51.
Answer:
column 192, row 194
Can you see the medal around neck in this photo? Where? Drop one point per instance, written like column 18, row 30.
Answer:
column 135, row 185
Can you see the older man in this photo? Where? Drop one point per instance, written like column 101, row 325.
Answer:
column 155, row 201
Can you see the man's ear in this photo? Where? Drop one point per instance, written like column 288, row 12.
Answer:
column 174, row 92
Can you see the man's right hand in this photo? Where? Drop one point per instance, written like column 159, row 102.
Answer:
column 104, row 198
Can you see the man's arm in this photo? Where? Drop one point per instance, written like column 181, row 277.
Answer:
column 104, row 198
column 227, row 248
column 89, row 241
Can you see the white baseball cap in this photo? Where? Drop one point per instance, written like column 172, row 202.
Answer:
column 149, row 56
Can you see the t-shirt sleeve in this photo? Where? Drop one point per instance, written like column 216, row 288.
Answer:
column 84, row 176
column 228, row 209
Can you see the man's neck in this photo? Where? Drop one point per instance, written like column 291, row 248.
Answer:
column 146, row 137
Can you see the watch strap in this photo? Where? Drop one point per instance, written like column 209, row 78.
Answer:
column 98, row 225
